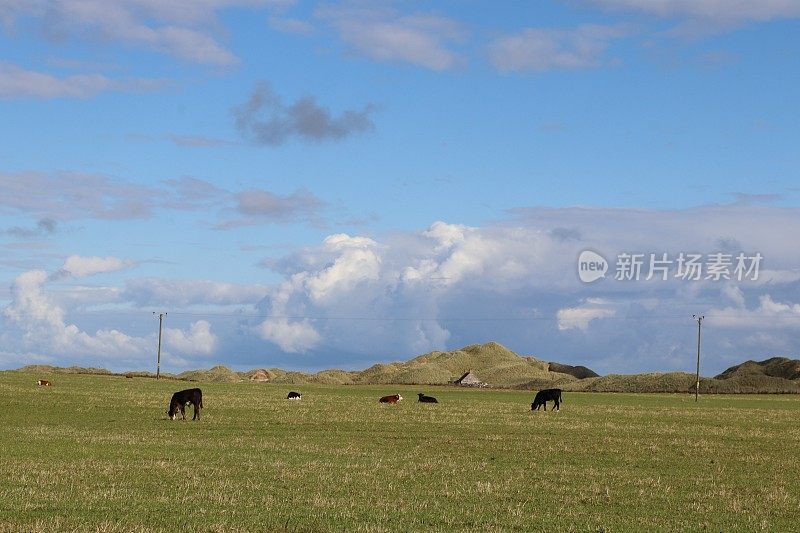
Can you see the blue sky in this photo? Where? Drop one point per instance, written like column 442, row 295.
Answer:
column 318, row 184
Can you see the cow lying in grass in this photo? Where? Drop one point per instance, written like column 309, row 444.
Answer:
column 394, row 398
column 44, row 383
column 544, row 396
column 294, row 396
column 182, row 398
column 427, row 399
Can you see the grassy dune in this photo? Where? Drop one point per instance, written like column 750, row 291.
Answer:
column 96, row 453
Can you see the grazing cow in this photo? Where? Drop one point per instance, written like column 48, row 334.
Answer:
column 544, row 396
column 294, row 396
column 181, row 399
column 44, row 383
column 427, row 399
column 394, row 398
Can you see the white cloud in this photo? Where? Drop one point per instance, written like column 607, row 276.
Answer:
column 199, row 339
column 35, row 323
column 385, row 35
column 580, row 316
column 18, row 82
column 189, row 292
column 182, row 28
column 356, row 298
column 43, row 327
column 80, row 266
column 769, row 315
column 711, row 10
column 292, row 337
column 540, row 49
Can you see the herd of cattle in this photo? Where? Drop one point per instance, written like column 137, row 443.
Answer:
column 181, row 399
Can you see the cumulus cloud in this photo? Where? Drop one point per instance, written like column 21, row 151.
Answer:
column 80, row 266
column 35, row 322
column 385, row 35
column 541, row 49
column 580, row 316
column 199, row 339
column 769, row 314
column 42, row 324
column 293, row 337
column 265, row 119
column 376, row 297
column 516, row 282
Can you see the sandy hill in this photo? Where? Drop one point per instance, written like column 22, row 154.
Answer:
column 499, row 367
column 492, row 363
column 776, row 367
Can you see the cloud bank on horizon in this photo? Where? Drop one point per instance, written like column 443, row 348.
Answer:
column 318, row 184
column 357, row 298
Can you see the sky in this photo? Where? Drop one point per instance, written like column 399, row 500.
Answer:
column 310, row 184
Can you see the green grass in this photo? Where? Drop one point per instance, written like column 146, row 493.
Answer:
column 96, row 453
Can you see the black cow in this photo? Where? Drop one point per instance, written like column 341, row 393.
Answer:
column 544, row 396
column 181, row 399
column 427, row 399
column 294, row 396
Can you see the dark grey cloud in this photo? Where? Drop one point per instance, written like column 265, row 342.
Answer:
column 258, row 206
column 73, row 195
column 265, row 119
column 45, row 226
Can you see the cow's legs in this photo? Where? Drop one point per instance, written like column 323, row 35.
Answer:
column 183, row 412
column 196, row 412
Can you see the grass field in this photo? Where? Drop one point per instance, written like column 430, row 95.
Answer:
column 96, row 453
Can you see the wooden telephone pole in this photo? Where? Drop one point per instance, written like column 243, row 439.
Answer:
column 158, row 360
column 699, row 319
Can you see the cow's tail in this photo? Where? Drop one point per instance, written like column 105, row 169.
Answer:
column 201, row 401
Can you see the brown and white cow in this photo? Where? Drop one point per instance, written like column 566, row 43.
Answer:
column 44, row 383
column 394, row 398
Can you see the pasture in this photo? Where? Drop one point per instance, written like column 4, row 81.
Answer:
column 97, row 453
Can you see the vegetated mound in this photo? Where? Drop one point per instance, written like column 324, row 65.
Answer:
column 49, row 369
column 492, row 363
column 648, row 382
column 325, row 377
column 775, row 367
column 580, row 372
column 218, row 373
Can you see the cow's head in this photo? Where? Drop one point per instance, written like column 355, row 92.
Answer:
column 171, row 413
column 399, row 397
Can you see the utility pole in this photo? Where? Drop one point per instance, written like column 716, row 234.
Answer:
column 158, row 361
column 699, row 319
